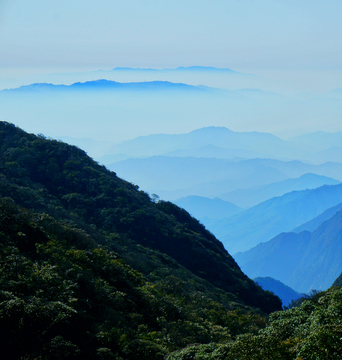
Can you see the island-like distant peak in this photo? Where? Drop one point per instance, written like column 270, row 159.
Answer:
column 180, row 68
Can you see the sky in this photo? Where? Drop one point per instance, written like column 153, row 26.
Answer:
column 238, row 34
column 293, row 46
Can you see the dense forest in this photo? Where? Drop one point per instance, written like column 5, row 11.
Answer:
column 310, row 331
column 94, row 268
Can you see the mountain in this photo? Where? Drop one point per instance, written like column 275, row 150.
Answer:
column 221, row 137
column 303, row 260
column 333, row 154
column 310, row 330
column 103, row 84
column 174, row 177
column 319, row 140
column 264, row 221
column 194, row 176
column 338, row 281
column 253, row 196
column 181, row 68
column 318, row 220
column 91, row 267
column 211, row 151
column 285, row 293
column 201, row 207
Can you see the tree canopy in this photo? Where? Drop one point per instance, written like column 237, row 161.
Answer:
column 92, row 267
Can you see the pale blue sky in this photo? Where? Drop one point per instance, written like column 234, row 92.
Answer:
column 240, row 34
column 292, row 46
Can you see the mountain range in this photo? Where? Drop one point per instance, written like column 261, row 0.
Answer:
column 105, row 85
column 92, row 267
column 250, row 197
column 204, row 208
column 285, row 293
column 262, row 222
column 304, row 261
column 220, row 137
column 221, row 142
column 313, row 224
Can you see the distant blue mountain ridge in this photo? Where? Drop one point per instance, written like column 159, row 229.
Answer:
column 182, row 68
column 285, row 293
column 304, row 261
column 274, row 216
column 103, row 84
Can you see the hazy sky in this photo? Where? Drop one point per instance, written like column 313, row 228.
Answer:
column 291, row 45
column 240, row 34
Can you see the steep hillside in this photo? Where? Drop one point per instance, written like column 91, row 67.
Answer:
column 96, row 269
column 338, row 281
column 310, row 331
column 303, row 261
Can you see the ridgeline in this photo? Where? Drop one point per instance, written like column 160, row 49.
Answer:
column 93, row 268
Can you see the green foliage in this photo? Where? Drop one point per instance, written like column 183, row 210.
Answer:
column 338, row 281
column 61, row 180
column 311, row 331
column 92, row 268
column 60, row 298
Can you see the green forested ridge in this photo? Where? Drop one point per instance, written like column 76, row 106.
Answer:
column 311, row 331
column 92, row 268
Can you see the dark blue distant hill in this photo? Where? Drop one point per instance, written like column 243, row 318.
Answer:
column 284, row 292
column 256, row 195
column 274, row 216
column 318, row 220
column 103, row 84
column 304, row 261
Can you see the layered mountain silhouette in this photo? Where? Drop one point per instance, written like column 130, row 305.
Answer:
column 103, row 84
column 303, row 261
column 264, row 221
column 173, row 177
column 92, row 266
column 318, row 220
column 221, row 137
column 195, row 176
column 285, row 293
column 204, row 208
column 253, row 196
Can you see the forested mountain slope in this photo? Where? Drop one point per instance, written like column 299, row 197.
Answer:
column 95, row 269
column 310, row 331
